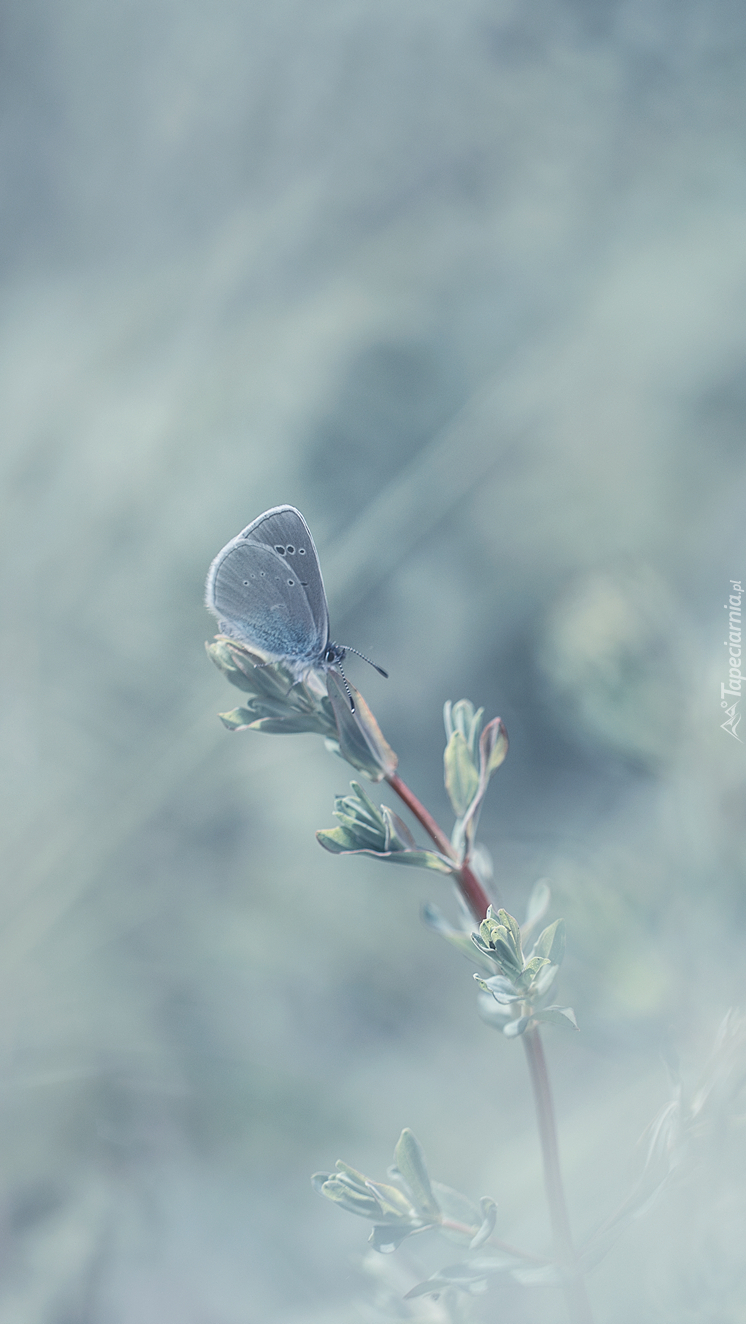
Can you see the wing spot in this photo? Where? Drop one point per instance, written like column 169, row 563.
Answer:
column 301, row 551
column 281, row 550
column 289, row 550
column 291, row 582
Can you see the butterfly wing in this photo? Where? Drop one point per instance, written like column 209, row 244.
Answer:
column 265, row 587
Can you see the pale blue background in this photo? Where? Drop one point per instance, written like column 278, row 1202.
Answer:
column 466, row 283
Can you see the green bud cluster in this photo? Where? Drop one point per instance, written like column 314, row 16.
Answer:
column 411, row 1203
column 366, row 829
column 519, row 988
column 471, row 757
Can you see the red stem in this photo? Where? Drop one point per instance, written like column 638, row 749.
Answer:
column 473, row 893
column 477, row 900
column 469, row 885
column 421, row 814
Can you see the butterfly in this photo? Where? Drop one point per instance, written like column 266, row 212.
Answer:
column 266, row 590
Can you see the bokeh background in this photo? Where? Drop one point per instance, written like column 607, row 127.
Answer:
column 464, row 282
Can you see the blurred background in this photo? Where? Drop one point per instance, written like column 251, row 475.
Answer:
column 466, row 284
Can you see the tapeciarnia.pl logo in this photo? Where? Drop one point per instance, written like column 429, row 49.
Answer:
column 733, row 644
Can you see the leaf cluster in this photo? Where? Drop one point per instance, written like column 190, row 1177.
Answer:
column 277, row 702
column 410, row 1203
column 515, row 987
column 471, row 757
column 520, row 984
column 365, row 829
column 280, row 703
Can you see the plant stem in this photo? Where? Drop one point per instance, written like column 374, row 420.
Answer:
column 473, row 893
column 469, row 885
column 433, row 830
column 477, row 900
column 573, row 1285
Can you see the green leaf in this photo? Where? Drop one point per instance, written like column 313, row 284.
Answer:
column 410, row 1160
column 469, row 1277
column 246, row 719
column 502, row 989
column 238, row 719
column 557, row 1016
column 504, row 956
column 500, row 953
column 551, row 943
column 448, row 719
column 467, row 1281
column 398, row 835
column 419, row 859
column 464, row 717
column 364, row 806
column 500, row 938
column 487, row 927
column 361, row 741
column 461, row 776
column 366, row 830
column 361, row 819
column 515, row 1028
column 391, row 1200
column 489, row 1217
column 354, row 1201
column 338, row 840
column 351, row 1174
column 514, row 930
column 457, row 1208
column 535, row 964
column 332, row 840
column 493, row 747
column 461, row 760
column 364, row 836
column 543, row 982
column 385, row 1238
column 247, row 668
column 276, row 694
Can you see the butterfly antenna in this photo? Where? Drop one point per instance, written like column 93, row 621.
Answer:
column 344, row 681
column 375, row 665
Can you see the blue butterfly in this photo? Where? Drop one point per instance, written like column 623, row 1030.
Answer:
column 266, row 590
